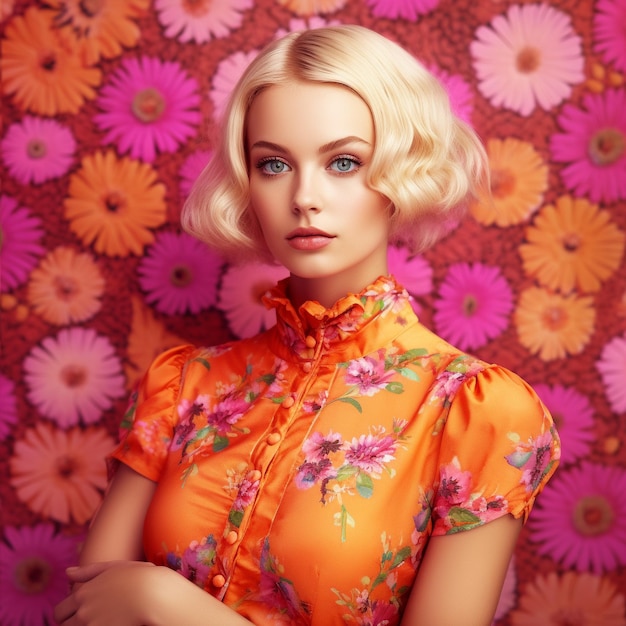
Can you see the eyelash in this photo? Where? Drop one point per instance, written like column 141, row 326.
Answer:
column 343, row 157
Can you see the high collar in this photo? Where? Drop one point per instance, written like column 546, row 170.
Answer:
column 355, row 325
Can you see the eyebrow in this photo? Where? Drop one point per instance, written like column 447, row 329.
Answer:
column 327, row 147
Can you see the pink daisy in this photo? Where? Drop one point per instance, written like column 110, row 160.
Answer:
column 73, row 376
column 226, row 75
column 179, row 274
column 473, row 306
column 36, row 150
column 32, row 573
column 8, row 408
column 191, row 168
column 593, row 145
column 612, row 368
column 402, row 9
column 148, row 106
column 414, row 273
column 609, row 35
column 240, row 297
column 580, row 519
column 19, row 247
column 200, row 21
column 459, row 92
column 573, row 416
column 530, row 56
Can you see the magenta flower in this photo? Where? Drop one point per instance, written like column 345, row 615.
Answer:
column 227, row 74
column 459, row 92
column 473, row 306
column 179, row 274
column 402, row 9
column 580, row 518
column 609, row 35
column 226, row 414
column 318, row 446
column 200, row 21
column 369, row 453
column 20, row 250
column 191, row 168
column 368, row 375
column 74, row 376
column 240, row 297
column 246, row 493
column 198, row 560
column 414, row 273
column 574, row 419
column 612, row 368
column 148, row 106
column 36, row 150
column 593, row 145
column 8, row 407
column 530, row 56
column 534, row 458
column 32, row 573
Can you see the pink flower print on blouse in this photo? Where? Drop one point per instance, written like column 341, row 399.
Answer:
column 188, row 411
column 369, row 453
column 244, row 484
column 368, row 374
column 196, row 562
column 534, row 458
column 313, row 405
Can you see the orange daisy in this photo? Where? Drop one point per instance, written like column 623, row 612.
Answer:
column 553, row 325
column 312, row 7
column 573, row 598
column 61, row 474
column 41, row 69
column 102, row 28
column 519, row 178
column 148, row 338
column 113, row 203
column 66, row 287
column 572, row 245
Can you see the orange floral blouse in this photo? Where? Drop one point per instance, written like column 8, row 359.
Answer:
column 301, row 472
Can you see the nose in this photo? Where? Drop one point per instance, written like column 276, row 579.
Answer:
column 306, row 193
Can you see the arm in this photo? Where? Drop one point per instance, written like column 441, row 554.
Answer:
column 461, row 576
column 114, row 586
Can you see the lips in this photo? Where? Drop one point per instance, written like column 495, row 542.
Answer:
column 308, row 239
column 307, row 232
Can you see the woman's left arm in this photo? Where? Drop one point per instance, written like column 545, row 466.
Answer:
column 461, row 576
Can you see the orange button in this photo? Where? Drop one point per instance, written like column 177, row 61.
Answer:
column 272, row 439
column 218, row 581
column 288, row 402
column 232, row 537
column 254, row 475
column 310, row 342
column 307, row 367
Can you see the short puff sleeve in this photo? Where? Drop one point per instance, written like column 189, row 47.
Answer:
column 499, row 448
column 152, row 415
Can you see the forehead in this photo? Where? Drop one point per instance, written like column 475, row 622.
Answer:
column 308, row 112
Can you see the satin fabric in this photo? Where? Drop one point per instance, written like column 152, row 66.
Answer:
column 301, row 472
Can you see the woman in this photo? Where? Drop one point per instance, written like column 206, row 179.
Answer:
column 348, row 465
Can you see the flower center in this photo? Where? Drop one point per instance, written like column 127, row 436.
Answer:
column 33, row 575
column 65, row 466
column 470, row 304
column 196, row 7
column 148, row 105
column 90, row 7
column 593, row 515
column 114, row 201
column 528, row 60
column 73, row 375
column 48, row 62
column 571, row 242
column 554, row 318
column 180, row 276
column 502, row 182
column 36, row 149
column 65, row 288
column 606, row 146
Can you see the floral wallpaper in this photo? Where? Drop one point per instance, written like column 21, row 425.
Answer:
column 109, row 111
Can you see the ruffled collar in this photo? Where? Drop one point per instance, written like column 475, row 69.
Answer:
column 370, row 318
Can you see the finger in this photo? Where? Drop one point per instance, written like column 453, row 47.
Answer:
column 64, row 610
column 83, row 573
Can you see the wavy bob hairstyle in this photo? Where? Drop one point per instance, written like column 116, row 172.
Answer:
column 426, row 161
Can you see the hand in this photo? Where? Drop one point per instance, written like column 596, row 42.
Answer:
column 114, row 592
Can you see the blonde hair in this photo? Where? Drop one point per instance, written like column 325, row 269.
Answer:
column 426, row 161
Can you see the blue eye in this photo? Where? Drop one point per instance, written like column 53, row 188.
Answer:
column 345, row 164
column 271, row 167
